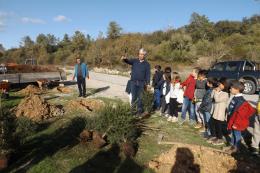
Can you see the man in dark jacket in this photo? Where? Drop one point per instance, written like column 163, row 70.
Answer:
column 157, row 77
column 140, row 77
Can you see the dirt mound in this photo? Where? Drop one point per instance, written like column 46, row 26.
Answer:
column 29, row 90
column 85, row 105
column 98, row 140
column 85, row 136
column 95, row 138
column 65, row 90
column 128, row 149
column 37, row 109
column 190, row 158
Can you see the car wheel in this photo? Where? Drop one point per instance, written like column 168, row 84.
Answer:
column 250, row 87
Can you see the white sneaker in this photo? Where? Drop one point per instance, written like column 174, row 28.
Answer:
column 167, row 115
column 174, row 119
column 169, row 119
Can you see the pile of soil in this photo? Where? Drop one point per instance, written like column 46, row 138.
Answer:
column 94, row 137
column 129, row 149
column 192, row 158
column 85, row 105
column 29, row 90
column 64, row 90
column 98, row 140
column 85, row 136
column 37, row 109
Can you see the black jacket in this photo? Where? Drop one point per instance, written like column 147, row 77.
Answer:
column 157, row 77
column 206, row 104
column 161, row 86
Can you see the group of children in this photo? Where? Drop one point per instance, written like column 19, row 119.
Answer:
column 216, row 107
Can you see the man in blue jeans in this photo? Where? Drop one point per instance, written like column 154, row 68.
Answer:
column 81, row 73
column 140, row 78
column 157, row 77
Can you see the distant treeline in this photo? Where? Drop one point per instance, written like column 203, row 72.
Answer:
column 200, row 39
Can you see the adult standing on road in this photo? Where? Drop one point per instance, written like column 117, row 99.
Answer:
column 140, row 78
column 81, row 73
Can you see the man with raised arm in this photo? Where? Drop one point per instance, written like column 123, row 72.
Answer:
column 140, row 78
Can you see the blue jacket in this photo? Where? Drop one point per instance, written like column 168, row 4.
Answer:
column 234, row 104
column 84, row 70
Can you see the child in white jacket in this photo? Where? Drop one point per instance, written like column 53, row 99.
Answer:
column 176, row 98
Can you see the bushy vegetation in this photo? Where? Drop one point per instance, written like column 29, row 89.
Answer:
column 116, row 122
column 13, row 131
column 147, row 100
column 7, row 127
column 200, row 38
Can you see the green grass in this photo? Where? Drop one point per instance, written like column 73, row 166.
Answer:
column 57, row 149
column 12, row 101
column 109, row 100
column 55, row 146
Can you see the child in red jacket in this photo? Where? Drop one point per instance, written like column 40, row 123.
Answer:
column 239, row 111
column 189, row 89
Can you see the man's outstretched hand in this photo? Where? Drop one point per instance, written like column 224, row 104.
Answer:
column 123, row 57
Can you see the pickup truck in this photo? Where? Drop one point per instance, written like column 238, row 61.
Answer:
column 247, row 71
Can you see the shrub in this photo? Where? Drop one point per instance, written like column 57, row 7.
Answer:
column 147, row 100
column 6, row 130
column 117, row 122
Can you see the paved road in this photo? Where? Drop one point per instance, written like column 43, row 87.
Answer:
column 252, row 99
column 114, row 86
column 111, row 86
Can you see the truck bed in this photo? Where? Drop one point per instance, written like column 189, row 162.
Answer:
column 17, row 78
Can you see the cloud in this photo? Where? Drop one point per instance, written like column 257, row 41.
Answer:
column 3, row 18
column 3, row 14
column 61, row 18
column 33, row 20
column 2, row 25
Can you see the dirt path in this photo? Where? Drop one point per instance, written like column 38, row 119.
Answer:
column 111, row 86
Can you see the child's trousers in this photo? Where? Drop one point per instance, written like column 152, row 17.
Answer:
column 216, row 128
column 164, row 105
column 187, row 106
column 236, row 138
column 173, row 107
column 256, row 133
